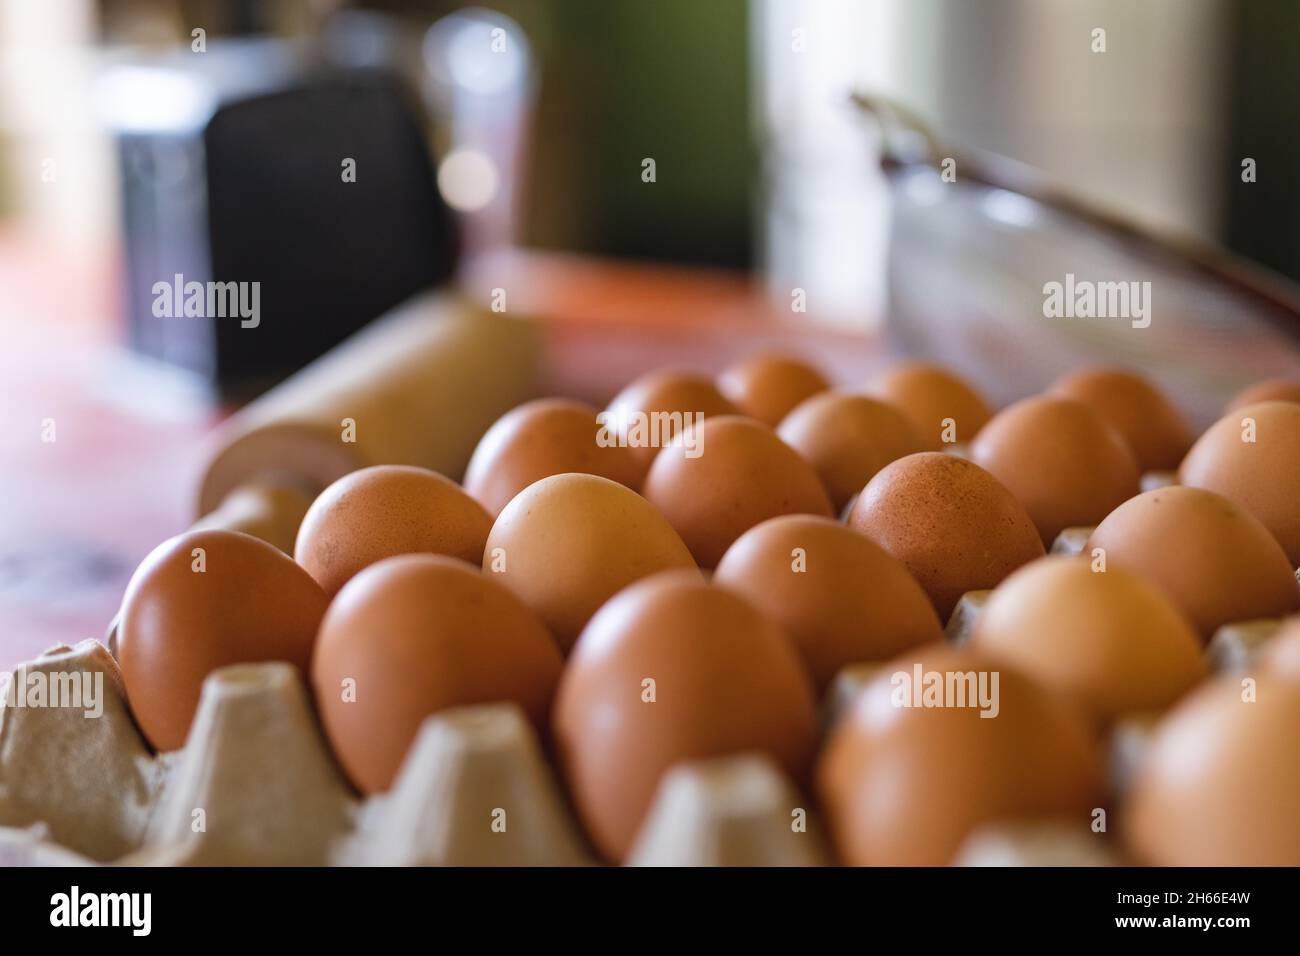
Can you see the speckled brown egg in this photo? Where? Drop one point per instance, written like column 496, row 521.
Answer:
column 1061, row 460
column 1270, row 390
column 379, row 512
column 1252, row 455
column 903, row 783
column 667, row 399
column 1219, row 784
column 568, row 543
column 930, row 395
column 549, row 436
column 743, row 474
column 200, row 601
column 674, row 669
column 769, row 385
column 1210, row 555
column 950, row 522
column 1110, row 639
column 1152, row 426
column 839, row 595
column 416, row 634
column 847, row 439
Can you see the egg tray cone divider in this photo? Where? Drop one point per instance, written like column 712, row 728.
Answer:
column 474, row 790
column 253, row 783
column 90, row 782
column 256, row 784
column 1034, row 843
column 730, row 811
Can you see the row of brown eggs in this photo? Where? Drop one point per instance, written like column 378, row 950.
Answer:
column 593, row 550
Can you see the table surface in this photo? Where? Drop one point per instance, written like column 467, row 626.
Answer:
column 78, row 514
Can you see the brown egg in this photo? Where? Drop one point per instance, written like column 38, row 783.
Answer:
column 379, row 512
column 1061, row 459
column 1271, row 390
column 200, row 601
column 1252, row 455
column 743, row 474
column 1110, row 640
column 1219, row 784
column 549, row 436
column 673, row 669
column 661, row 395
column 839, row 595
column 929, row 396
column 569, row 542
column 768, row 386
column 1153, row 428
column 950, row 522
column 1216, row 561
column 847, row 439
column 903, row 782
column 416, row 634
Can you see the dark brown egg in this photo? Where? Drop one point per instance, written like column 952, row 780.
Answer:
column 414, row 635
column 1061, row 460
column 549, row 436
column 848, row 438
column 379, row 512
column 200, row 601
column 942, row 407
column 1210, row 555
column 910, row 771
column 950, row 522
column 1150, row 424
column 768, row 386
column 839, row 595
column 1252, row 455
column 741, row 474
column 673, row 669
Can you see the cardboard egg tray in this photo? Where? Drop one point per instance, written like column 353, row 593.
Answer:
column 256, row 784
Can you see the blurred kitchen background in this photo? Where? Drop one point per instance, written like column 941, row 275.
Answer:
column 761, row 163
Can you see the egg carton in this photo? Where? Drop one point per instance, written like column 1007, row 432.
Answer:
column 256, row 784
